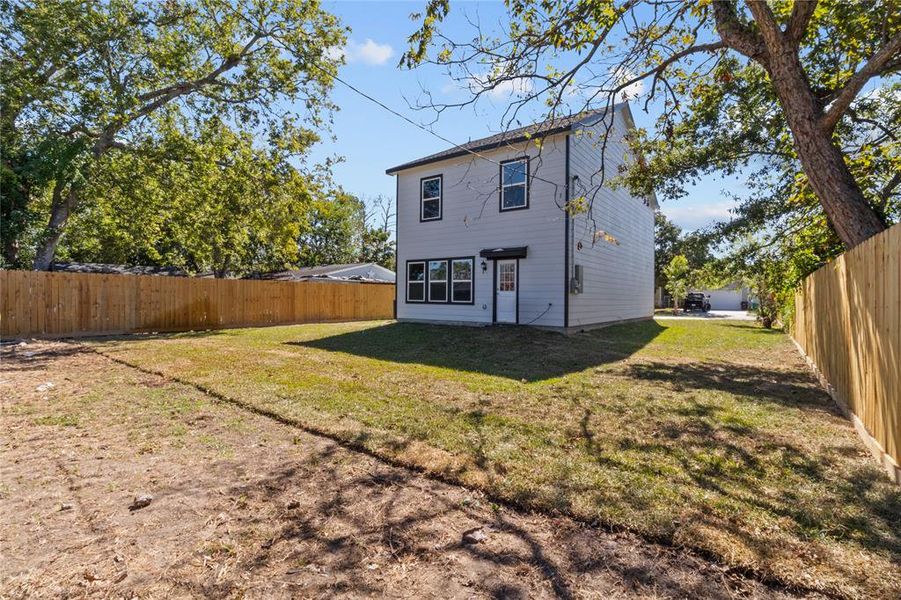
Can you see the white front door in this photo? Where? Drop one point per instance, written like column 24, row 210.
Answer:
column 506, row 286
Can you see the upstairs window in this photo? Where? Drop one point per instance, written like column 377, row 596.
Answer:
column 515, row 184
column 416, row 281
column 430, row 198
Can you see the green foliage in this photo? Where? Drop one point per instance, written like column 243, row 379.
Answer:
column 83, row 80
column 669, row 242
column 721, row 108
column 205, row 200
column 335, row 232
column 377, row 247
column 773, row 268
column 677, row 278
column 667, row 237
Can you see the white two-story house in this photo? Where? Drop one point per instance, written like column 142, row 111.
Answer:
column 484, row 237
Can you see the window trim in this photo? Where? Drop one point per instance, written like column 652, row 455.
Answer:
column 471, row 280
column 422, row 199
column 500, row 196
column 424, row 282
column 448, row 281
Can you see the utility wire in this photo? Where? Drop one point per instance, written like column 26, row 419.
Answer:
column 419, row 125
column 542, row 314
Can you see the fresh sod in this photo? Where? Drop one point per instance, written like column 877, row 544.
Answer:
column 709, row 435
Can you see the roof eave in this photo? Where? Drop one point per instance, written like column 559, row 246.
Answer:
column 492, row 146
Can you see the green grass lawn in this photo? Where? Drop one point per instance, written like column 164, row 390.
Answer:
column 710, row 435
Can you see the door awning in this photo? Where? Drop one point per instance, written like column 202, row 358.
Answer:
column 506, row 252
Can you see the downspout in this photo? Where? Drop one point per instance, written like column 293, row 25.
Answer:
column 396, row 240
column 566, row 243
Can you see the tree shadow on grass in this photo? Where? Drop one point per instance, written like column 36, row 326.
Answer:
column 337, row 529
column 752, row 327
column 845, row 474
column 823, row 490
column 35, row 357
column 517, row 353
column 794, row 388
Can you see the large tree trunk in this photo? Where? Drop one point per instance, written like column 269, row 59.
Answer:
column 10, row 251
column 11, row 225
column 853, row 219
column 13, row 212
column 59, row 215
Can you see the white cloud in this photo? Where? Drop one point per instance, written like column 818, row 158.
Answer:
column 631, row 91
column 504, row 89
column 368, row 53
column 451, row 87
column 517, row 86
column 691, row 217
column 336, row 53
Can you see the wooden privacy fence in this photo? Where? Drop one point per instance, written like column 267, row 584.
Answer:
column 36, row 303
column 848, row 324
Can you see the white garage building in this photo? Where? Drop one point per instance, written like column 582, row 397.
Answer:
column 729, row 297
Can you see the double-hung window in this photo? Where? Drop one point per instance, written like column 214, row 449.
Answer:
column 416, row 281
column 461, row 280
column 437, row 281
column 515, row 184
column 430, row 189
column 441, row 280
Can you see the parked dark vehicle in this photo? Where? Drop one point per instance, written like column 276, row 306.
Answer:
column 696, row 301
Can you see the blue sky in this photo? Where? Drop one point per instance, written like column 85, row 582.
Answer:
column 371, row 139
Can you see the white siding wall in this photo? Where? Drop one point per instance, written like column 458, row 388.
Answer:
column 471, row 221
column 619, row 277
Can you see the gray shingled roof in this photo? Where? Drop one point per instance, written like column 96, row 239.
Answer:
column 304, row 272
column 535, row 130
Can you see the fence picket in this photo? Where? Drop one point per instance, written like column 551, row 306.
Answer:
column 36, row 303
column 848, row 323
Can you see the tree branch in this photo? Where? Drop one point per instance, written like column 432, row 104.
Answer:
column 176, row 89
column 802, row 11
column 766, row 22
column 853, row 86
column 166, row 94
column 736, row 34
column 872, row 122
column 664, row 64
column 889, row 188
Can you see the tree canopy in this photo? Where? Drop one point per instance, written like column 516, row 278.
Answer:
column 204, row 201
column 670, row 241
column 677, row 273
column 803, row 92
column 88, row 86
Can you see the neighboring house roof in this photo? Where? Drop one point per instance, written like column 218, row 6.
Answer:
column 346, row 271
column 74, row 267
column 535, row 130
column 324, row 269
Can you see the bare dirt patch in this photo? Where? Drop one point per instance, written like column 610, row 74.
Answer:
column 245, row 506
column 709, row 435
